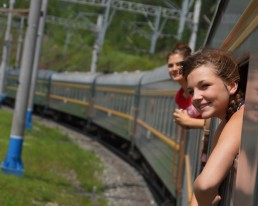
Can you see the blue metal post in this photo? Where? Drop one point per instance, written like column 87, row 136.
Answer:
column 12, row 163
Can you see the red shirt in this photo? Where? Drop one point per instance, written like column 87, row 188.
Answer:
column 182, row 102
column 186, row 103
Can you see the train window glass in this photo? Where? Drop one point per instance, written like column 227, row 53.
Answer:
column 127, row 99
column 56, row 90
column 53, row 89
column 78, row 93
column 165, row 115
column 142, row 110
column 75, row 90
column 82, row 93
column 126, row 107
column 121, row 100
column 155, row 112
column 168, row 113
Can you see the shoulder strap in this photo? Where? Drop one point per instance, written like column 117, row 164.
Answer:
column 205, row 141
column 206, row 127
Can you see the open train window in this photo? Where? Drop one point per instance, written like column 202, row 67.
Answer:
column 228, row 184
column 243, row 64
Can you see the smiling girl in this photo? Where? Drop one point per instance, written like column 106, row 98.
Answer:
column 186, row 115
column 212, row 81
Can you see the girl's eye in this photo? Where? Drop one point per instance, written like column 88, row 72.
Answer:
column 191, row 92
column 204, row 86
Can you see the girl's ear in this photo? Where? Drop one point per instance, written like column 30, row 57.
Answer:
column 232, row 87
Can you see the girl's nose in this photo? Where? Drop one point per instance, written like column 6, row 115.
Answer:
column 196, row 96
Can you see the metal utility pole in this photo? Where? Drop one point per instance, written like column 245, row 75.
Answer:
column 102, row 25
column 19, row 47
column 138, row 8
column 97, row 46
column 12, row 163
column 155, row 34
column 5, row 52
column 182, row 20
column 36, row 63
column 196, row 17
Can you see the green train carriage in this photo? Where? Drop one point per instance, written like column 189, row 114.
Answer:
column 115, row 99
column 71, row 93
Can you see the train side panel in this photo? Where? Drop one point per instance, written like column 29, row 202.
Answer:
column 41, row 94
column 72, row 93
column 115, row 97
column 42, row 86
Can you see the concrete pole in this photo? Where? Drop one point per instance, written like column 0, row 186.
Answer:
column 12, row 163
column 36, row 63
column 5, row 53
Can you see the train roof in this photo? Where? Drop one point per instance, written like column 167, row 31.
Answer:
column 157, row 75
column 42, row 74
column 79, row 77
column 11, row 71
column 45, row 74
column 121, row 78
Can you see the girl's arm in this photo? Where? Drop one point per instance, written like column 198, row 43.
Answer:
column 214, row 202
column 193, row 201
column 221, row 159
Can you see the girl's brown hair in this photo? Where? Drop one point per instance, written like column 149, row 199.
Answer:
column 181, row 49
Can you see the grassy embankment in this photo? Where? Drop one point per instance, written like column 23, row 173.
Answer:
column 56, row 172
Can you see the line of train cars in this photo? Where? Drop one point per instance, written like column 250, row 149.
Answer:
column 137, row 108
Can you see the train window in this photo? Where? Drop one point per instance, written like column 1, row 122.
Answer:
column 243, row 64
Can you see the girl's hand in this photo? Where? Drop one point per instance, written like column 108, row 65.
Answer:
column 216, row 200
column 181, row 117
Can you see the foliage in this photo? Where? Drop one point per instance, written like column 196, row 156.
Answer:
column 57, row 172
column 127, row 40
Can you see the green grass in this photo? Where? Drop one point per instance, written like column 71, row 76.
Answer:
column 56, row 171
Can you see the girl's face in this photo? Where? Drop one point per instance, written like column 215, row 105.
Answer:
column 210, row 95
column 174, row 67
